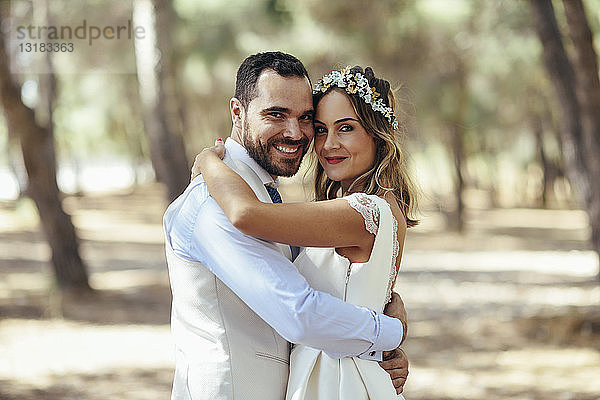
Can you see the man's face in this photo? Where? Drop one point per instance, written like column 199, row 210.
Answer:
column 278, row 123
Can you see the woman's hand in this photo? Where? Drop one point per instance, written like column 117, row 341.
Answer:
column 218, row 149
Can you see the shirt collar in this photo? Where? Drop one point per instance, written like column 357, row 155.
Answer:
column 240, row 153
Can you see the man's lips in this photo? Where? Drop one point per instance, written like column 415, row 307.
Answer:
column 288, row 149
column 335, row 160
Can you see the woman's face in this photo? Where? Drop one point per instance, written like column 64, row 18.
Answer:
column 344, row 148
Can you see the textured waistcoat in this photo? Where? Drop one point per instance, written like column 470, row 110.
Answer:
column 223, row 349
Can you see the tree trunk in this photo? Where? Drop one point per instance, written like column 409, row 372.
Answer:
column 578, row 90
column 457, row 132
column 15, row 163
column 37, row 145
column 588, row 94
column 538, row 132
column 158, row 93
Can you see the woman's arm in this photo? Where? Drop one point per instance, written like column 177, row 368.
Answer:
column 331, row 223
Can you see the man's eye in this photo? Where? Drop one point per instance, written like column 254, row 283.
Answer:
column 276, row 115
column 306, row 117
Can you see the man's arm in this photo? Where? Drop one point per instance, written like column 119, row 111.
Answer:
column 395, row 309
column 272, row 287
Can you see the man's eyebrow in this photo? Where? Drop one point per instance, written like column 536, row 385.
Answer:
column 276, row 108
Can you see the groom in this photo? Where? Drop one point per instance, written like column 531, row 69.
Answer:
column 238, row 300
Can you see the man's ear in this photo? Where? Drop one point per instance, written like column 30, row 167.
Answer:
column 237, row 112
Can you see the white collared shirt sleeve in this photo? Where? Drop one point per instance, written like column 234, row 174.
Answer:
column 271, row 286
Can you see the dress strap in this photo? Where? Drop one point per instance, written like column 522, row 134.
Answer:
column 373, row 208
column 395, row 251
column 387, row 213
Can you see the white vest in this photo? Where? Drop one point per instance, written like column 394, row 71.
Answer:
column 225, row 351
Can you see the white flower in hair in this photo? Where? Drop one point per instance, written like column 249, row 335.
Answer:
column 357, row 84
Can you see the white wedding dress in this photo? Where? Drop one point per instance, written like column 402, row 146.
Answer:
column 314, row 375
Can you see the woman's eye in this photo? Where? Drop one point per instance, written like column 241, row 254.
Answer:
column 346, row 128
column 320, row 130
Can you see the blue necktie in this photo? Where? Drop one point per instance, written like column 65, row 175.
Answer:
column 273, row 193
column 276, row 198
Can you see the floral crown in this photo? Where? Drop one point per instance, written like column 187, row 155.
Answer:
column 356, row 83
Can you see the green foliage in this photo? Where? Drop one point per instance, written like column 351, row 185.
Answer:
column 440, row 52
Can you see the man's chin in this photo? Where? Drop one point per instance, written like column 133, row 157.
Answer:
column 284, row 166
column 285, row 169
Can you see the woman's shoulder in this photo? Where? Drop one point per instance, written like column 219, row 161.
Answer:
column 362, row 199
column 373, row 201
column 368, row 207
column 396, row 210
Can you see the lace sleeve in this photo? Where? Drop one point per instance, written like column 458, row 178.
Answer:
column 365, row 205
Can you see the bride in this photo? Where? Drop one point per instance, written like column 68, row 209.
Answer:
column 353, row 234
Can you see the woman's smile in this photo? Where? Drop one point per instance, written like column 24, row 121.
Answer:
column 335, row 160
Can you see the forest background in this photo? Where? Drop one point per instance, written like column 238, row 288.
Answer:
column 501, row 100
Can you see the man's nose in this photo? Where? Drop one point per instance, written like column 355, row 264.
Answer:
column 293, row 130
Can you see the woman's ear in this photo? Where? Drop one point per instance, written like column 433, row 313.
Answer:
column 237, row 112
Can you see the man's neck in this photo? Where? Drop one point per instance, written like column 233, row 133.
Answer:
column 235, row 135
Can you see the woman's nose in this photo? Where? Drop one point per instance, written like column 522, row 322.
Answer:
column 331, row 142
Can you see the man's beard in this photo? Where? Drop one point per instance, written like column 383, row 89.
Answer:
column 260, row 154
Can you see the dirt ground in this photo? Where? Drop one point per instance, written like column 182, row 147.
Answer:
column 508, row 310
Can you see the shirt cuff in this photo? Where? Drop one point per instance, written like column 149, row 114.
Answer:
column 388, row 337
column 372, row 355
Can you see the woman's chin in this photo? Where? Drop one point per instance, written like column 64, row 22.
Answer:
column 334, row 177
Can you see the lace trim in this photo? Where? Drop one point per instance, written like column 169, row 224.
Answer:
column 395, row 251
column 367, row 208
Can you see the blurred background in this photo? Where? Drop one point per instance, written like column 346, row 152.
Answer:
column 501, row 99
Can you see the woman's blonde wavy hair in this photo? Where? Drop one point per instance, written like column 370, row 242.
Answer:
column 389, row 172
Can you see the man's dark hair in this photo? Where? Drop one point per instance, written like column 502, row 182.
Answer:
column 247, row 75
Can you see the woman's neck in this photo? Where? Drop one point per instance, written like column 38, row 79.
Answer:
column 354, row 185
column 345, row 185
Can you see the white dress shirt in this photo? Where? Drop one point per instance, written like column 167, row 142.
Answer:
column 268, row 282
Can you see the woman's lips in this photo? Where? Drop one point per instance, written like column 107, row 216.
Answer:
column 335, row 160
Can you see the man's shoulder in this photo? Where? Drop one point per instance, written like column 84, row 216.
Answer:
column 187, row 204
column 193, row 209
column 196, row 190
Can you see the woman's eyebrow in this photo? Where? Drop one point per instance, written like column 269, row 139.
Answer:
column 345, row 119
column 338, row 121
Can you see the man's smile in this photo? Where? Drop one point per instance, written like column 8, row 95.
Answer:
column 288, row 149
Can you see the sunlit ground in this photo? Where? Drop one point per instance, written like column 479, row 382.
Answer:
column 509, row 310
